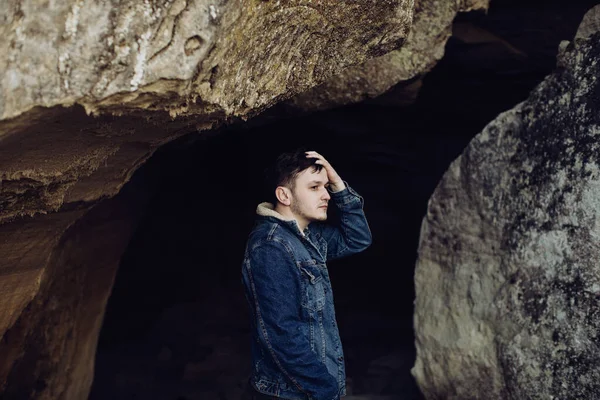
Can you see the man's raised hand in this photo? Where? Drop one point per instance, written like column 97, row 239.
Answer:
column 336, row 183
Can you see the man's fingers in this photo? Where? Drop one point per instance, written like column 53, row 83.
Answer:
column 331, row 173
column 314, row 154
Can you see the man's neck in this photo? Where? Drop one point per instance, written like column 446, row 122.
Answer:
column 287, row 213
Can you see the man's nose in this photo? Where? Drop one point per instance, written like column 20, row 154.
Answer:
column 326, row 195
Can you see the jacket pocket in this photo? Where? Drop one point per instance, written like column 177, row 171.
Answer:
column 314, row 293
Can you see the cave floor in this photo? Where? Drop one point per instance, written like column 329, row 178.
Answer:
column 200, row 351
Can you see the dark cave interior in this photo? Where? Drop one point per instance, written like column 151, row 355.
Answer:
column 176, row 325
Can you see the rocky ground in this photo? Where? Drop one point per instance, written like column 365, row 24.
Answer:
column 200, row 351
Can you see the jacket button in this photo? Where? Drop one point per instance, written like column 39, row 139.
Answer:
column 340, row 358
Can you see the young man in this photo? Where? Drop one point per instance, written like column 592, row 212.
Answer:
column 296, row 349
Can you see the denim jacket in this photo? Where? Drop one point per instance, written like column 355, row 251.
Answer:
column 296, row 348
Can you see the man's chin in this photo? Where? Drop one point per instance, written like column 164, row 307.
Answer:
column 322, row 217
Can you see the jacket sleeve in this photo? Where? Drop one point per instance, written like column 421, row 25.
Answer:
column 352, row 234
column 277, row 290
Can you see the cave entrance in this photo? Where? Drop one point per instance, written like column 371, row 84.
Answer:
column 176, row 323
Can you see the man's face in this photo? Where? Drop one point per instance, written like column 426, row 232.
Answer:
column 310, row 196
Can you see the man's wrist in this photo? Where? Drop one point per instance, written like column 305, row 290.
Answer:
column 337, row 186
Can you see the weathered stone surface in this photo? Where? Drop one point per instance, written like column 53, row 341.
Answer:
column 59, row 297
column 184, row 56
column 431, row 28
column 207, row 60
column 147, row 72
column 507, row 280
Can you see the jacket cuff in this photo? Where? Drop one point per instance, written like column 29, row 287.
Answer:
column 346, row 196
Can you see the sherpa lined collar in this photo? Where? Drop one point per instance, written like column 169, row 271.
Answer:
column 268, row 210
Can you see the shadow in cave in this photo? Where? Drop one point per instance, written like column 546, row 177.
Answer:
column 176, row 325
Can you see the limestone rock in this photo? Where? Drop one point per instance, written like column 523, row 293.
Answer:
column 187, row 56
column 205, row 60
column 431, row 28
column 507, row 278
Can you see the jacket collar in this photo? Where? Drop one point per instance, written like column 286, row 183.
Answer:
column 268, row 210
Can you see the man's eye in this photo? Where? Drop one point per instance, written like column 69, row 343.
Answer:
column 314, row 187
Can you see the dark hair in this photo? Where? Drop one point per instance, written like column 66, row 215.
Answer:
column 285, row 170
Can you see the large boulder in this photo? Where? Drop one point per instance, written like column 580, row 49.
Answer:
column 88, row 91
column 431, row 29
column 507, row 277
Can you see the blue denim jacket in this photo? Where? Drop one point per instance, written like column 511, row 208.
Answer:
column 296, row 348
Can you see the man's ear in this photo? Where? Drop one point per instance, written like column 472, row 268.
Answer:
column 284, row 196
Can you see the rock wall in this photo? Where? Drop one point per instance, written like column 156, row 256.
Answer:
column 49, row 350
column 507, row 281
column 88, row 91
column 431, row 29
column 61, row 241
